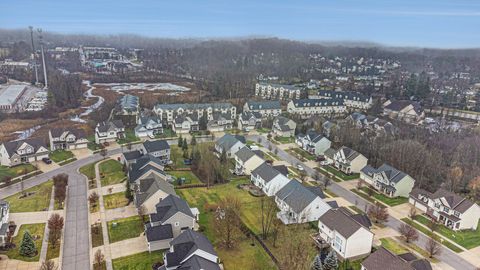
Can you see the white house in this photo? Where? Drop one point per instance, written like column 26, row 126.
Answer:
column 283, row 127
column 313, row 142
column 388, row 180
column 220, row 122
column 265, row 108
column 404, row 110
column 149, row 127
column 67, row 138
column 4, row 215
column 349, row 161
column 168, row 112
column 306, row 108
column 229, row 144
column 352, row 100
column 249, row 121
column 268, row 179
column 349, row 236
column 277, row 91
column 246, row 161
column 448, row 208
column 109, row 131
column 24, row 151
column 185, row 123
column 300, row 204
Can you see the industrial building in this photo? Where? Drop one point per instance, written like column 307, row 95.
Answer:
column 10, row 97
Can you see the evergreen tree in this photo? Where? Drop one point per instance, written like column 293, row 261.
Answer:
column 180, row 141
column 128, row 192
column 193, row 142
column 317, row 263
column 27, row 247
column 223, row 157
column 185, row 144
column 331, row 261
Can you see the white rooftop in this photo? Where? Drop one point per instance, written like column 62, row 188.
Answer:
column 9, row 95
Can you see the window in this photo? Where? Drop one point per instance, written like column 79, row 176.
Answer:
column 456, row 213
column 446, row 209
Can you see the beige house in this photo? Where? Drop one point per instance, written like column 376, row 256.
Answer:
column 283, row 127
column 246, row 161
column 150, row 191
column 404, row 110
column 349, row 161
column 24, row 151
column 388, row 180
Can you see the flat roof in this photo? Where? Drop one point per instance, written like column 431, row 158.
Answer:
column 9, row 95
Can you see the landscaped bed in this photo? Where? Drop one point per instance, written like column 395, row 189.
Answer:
column 125, row 228
column 97, row 235
column 139, row 261
column 36, row 231
column 89, row 171
column 61, row 155
column 52, row 252
column 35, row 199
column 111, row 172
column 115, row 200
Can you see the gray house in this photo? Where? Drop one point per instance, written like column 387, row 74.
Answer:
column 150, row 191
column 283, row 127
column 159, row 149
column 229, row 144
column 145, row 167
column 313, row 142
column 265, row 107
column 249, row 121
column 388, row 180
column 4, row 214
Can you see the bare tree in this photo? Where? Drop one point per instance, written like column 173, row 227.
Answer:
column 295, row 252
column 98, row 259
column 55, row 226
column 93, row 199
column 268, row 210
column 432, row 247
column 413, row 212
column 378, row 213
column 433, row 225
column 227, row 221
column 455, row 174
column 103, row 152
column 48, row 265
column 408, row 232
column 360, row 184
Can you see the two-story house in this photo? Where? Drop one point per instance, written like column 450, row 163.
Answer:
column 127, row 110
column 220, row 122
column 148, row 127
column 246, row 161
column 168, row 112
column 159, row 149
column 300, row 204
column 352, row 100
column 266, row 108
column 349, row 235
column 384, row 259
column 283, row 127
column 230, row 144
column 109, row 131
column 388, row 180
column 146, row 166
column 448, row 208
column 4, row 215
column 313, row 142
column 404, row 110
column 248, row 121
column 349, row 161
column 23, row 151
column 67, row 139
column 186, row 123
column 268, row 179
column 150, row 191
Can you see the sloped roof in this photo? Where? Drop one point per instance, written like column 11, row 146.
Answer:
column 187, row 243
column 158, row 145
column 264, row 105
column 317, row 102
column 340, row 221
column 149, row 186
column 266, row 172
column 79, row 133
column 245, row 116
column 454, row 201
column 160, row 232
column 244, row 154
column 198, row 263
column 383, row 259
column 105, row 126
column 296, row 196
column 348, row 95
column 168, row 207
column 194, row 106
column 13, row 146
column 227, row 141
column 135, row 154
column 349, row 153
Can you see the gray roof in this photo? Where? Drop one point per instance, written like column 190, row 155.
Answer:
column 135, row 154
column 276, row 85
column 385, row 259
column 245, row 116
column 245, row 154
column 149, row 186
column 154, row 146
column 129, row 102
column 105, row 126
column 157, row 233
column 398, row 105
column 391, row 173
column 282, row 123
column 168, row 207
column 198, row 263
column 142, row 167
column 264, row 105
column 330, row 152
column 296, row 196
column 10, row 94
column 79, row 133
column 340, row 221
column 346, row 95
column 227, row 141
column 455, row 202
column 318, row 102
column 266, row 172
column 13, row 146
column 194, row 106
column 186, row 244
column 349, row 153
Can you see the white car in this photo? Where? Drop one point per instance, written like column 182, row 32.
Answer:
column 300, row 167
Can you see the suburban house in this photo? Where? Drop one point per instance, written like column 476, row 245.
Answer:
column 266, row 108
column 229, row 144
column 348, row 234
column 277, row 91
column 4, row 214
column 159, row 149
column 190, row 250
column 172, row 216
column 328, row 128
column 352, row 100
column 268, row 179
column 283, row 127
column 127, row 110
column 109, row 131
column 246, row 161
column 149, row 127
column 249, row 121
column 448, row 208
column 168, row 112
column 384, row 259
column 185, row 123
column 308, row 107
column 220, row 122
column 300, row 204
column 68, row 139
column 357, row 119
column 404, row 110
column 150, row 191
column 131, row 157
column 24, row 151
column 388, row 180
column 146, row 166
column 349, row 161
column 313, row 142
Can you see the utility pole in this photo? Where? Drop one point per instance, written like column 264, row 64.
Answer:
column 34, row 59
column 43, row 57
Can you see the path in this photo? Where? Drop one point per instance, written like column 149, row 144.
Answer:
column 43, row 252
column 106, row 241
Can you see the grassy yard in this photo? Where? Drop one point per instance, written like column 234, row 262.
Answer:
column 88, row 170
column 356, row 209
column 270, row 156
column 97, row 238
column 38, row 201
column 176, row 155
column 53, row 253
column 330, row 193
column 129, row 137
column 393, row 246
column 36, row 230
column 302, row 153
column 465, row 238
column 189, row 176
column 111, row 172
column 60, row 155
column 115, row 200
column 167, row 133
column 263, row 130
column 320, row 170
column 15, row 171
column 341, row 175
column 139, row 261
column 283, row 140
column 124, row 228
column 387, row 200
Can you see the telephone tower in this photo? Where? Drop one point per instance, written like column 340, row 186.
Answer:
column 40, row 37
column 34, row 58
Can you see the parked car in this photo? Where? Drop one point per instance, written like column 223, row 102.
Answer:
column 46, row 160
column 300, row 167
column 106, row 144
column 324, row 162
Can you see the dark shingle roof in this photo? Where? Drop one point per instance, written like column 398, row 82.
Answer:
column 187, row 243
column 153, row 146
column 383, row 259
column 132, row 155
column 318, row 102
column 340, row 221
column 348, row 95
column 168, row 207
column 264, row 105
column 281, row 169
column 198, row 263
column 160, row 232
column 79, row 133
column 296, row 196
column 227, row 141
column 245, row 154
column 266, row 172
column 150, row 186
column 13, row 146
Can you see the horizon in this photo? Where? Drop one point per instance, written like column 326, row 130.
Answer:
column 430, row 24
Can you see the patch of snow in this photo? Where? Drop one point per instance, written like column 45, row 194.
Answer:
column 25, row 134
column 118, row 87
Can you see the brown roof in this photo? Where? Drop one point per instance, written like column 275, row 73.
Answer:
column 383, row 259
column 338, row 220
column 454, row 201
column 79, row 133
column 13, row 146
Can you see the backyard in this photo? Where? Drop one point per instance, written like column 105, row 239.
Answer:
column 189, row 177
column 124, row 228
column 36, row 231
column 129, row 137
column 139, row 261
column 111, row 172
column 115, row 200
column 60, row 155
column 37, row 199
column 176, row 155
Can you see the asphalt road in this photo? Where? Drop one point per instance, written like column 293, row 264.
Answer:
column 447, row 256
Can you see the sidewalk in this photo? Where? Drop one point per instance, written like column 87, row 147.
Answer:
column 43, row 252
column 135, row 245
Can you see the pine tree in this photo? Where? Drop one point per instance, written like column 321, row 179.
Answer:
column 185, row 144
column 317, row 263
column 331, row 262
column 27, row 247
column 128, row 192
column 193, row 142
column 180, row 141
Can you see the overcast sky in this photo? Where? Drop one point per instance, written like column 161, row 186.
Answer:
column 425, row 23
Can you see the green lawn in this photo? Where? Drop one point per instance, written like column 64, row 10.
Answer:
column 125, row 228
column 176, row 155
column 115, row 200
column 304, row 154
column 393, row 246
column 88, row 170
column 53, row 253
column 465, row 238
column 38, row 201
column 111, row 172
column 139, row 261
column 341, row 175
column 189, row 176
column 129, row 137
column 263, row 130
column 271, row 156
column 167, row 133
column 356, row 209
column 330, row 193
column 60, row 155
column 387, row 200
column 97, row 238
column 36, row 230
column 283, row 140
column 15, row 171
column 320, row 170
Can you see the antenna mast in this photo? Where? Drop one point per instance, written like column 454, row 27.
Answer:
column 33, row 55
column 43, row 57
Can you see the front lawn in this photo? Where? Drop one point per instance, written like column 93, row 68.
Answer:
column 111, row 172
column 38, row 200
column 139, row 261
column 387, row 200
column 283, row 140
column 341, row 175
column 89, row 171
column 124, row 228
column 115, row 200
column 60, row 155
column 188, row 176
column 129, row 137
column 36, row 231
column 167, row 133
column 97, row 234
column 263, row 130
column 302, row 153
column 15, row 171
column 393, row 246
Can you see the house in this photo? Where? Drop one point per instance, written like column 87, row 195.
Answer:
column 268, row 179
column 266, row 108
column 190, row 250
column 349, row 161
column 352, row 100
column 328, row 128
column 349, row 235
column 249, row 121
column 172, row 216
column 313, row 142
column 359, row 120
column 186, row 123
column 4, row 215
column 220, row 122
column 23, row 151
column 300, row 204
column 109, row 131
column 131, row 157
column 329, row 155
column 384, row 259
column 404, row 110
column 67, row 139
column 148, row 127
column 448, row 208
column 145, row 167
column 246, row 161
column 388, row 180
column 159, row 149
column 127, row 110
column 168, row 112
column 229, row 144
column 283, row 127
column 277, row 91
column 150, row 191
column 305, row 108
